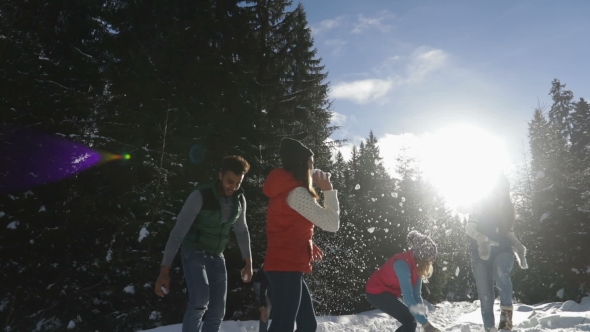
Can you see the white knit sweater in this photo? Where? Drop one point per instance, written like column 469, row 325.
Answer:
column 326, row 218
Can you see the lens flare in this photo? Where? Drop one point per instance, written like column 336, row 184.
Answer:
column 106, row 156
column 34, row 158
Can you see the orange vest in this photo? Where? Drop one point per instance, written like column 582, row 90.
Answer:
column 385, row 279
column 289, row 234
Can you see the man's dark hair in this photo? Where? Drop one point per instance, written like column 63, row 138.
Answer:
column 236, row 164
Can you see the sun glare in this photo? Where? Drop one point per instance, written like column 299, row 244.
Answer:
column 463, row 162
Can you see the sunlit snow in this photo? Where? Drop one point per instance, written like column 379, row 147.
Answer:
column 451, row 317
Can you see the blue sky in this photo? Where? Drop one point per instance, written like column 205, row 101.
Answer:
column 415, row 67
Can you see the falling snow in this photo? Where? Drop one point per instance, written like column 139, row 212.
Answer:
column 143, row 233
column 13, row 225
column 560, row 293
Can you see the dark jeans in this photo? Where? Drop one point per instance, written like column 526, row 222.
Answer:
column 291, row 302
column 393, row 306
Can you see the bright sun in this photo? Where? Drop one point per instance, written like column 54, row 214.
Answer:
column 463, row 162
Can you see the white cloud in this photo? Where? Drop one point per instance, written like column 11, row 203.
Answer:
column 424, row 61
column 362, row 91
column 365, row 23
column 336, row 44
column 328, row 24
column 400, row 70
column 338, row 119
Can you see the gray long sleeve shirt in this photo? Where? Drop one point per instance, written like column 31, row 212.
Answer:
column 187, row 216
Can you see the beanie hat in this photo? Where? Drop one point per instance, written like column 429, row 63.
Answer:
column 293, row 152
column 422, row 245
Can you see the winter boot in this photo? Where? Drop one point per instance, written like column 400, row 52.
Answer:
column 505, row 319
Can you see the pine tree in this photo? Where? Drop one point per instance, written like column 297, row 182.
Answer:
column 559, row 114
column 152, row 80
column 580, row 119
column 53, row 86
column 555, row 242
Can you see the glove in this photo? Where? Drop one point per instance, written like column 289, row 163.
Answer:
column 484, row 246
column 520, row 252
column 429, row 328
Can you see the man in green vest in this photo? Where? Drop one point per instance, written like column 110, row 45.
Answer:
column 202, row 231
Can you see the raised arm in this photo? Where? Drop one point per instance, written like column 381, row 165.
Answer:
column 326, row 218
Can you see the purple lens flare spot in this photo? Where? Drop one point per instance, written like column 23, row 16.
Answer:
column 31, row 158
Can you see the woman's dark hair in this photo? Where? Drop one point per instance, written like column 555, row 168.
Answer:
column 302, row 174
column 236, row 164
column 499, row 203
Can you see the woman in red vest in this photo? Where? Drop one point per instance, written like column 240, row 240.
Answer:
column 402, row 276
column 292, row 213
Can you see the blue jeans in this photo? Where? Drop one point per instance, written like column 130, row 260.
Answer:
column 291, row 302
column 496, row 269
column 206, row 281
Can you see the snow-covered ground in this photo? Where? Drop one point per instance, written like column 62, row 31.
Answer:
column 458, row 316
